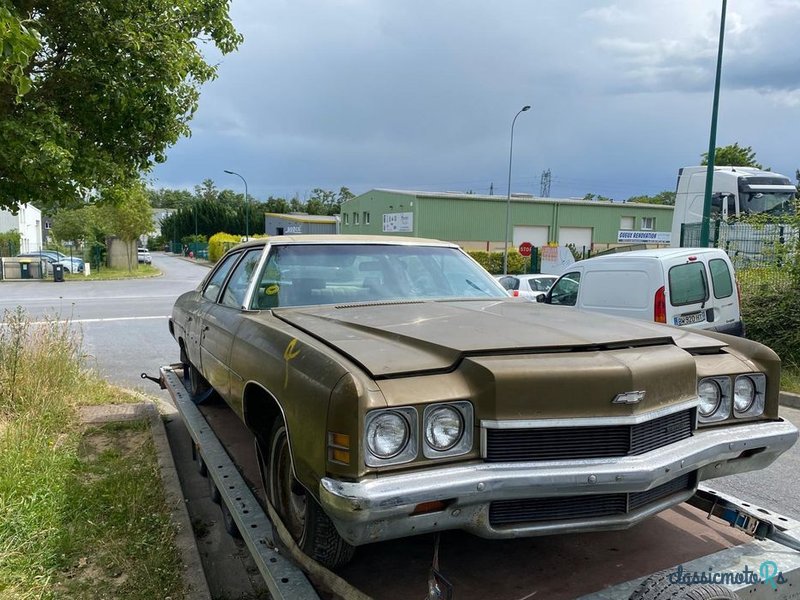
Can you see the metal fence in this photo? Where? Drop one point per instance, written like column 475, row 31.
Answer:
column 760, row 253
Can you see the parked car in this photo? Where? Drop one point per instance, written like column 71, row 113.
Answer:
column 395, row 389
column 51, row 257
column 693, row 287
column 527, row 286
column 144, row 256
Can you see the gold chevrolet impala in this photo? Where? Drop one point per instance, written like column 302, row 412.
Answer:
column 395, row 389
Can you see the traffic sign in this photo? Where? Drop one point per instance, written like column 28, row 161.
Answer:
column 525, row 248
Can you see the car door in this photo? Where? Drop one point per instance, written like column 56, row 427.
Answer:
column 565, row 291
column 689, row 293
column 222, row 320
column 724, row 300
column 195, row 322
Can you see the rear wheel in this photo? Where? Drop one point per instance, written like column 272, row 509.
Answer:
column 309, row 526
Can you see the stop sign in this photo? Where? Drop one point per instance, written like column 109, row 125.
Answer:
column 525, row 248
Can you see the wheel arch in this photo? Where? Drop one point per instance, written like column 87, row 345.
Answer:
column 260, row 409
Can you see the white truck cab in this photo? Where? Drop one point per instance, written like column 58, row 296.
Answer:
column 693, row 287
column 736, row 191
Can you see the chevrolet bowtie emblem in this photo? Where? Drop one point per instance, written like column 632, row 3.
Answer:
column 629, row 398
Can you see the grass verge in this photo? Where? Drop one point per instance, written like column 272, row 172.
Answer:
column 108, row 273
column 790, row 378
column 82, row 512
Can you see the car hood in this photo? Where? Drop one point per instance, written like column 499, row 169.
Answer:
column 393, row 339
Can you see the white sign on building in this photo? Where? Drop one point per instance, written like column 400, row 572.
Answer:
column 398, row 222
column 647, row 237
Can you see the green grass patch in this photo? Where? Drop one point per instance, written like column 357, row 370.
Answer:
column 790, row 378
column 82, row 512
column 108, row 273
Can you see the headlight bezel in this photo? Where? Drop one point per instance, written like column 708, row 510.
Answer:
column 756, row 407
column 726, row 409
column 464, row 443
column 722, row 410
column 409, row 449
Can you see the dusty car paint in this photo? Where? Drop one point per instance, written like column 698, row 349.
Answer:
column 519, row 364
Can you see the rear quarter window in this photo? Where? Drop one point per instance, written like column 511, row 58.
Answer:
column 721, row 278
column 688, row 284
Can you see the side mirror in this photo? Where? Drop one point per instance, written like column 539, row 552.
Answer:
column 541, row 297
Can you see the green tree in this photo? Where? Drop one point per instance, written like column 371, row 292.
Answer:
column 665, row 197
column 125, row 213
column 734, row 156
column 167, row 198
column 19, row 43
column 73, row 225
column 114, row 84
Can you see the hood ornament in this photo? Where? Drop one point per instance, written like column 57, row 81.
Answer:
column 629, row 398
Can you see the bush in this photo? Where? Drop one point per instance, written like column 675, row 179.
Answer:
column 220, row 243
column 493, row 261
column 771, row 314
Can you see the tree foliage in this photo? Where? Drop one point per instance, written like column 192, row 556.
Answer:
column 734, row 156
column 665, row 197
column 113, row 85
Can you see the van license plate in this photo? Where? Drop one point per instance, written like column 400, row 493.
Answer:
column 690, row 319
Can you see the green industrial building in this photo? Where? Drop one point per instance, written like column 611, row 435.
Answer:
column 477, row 222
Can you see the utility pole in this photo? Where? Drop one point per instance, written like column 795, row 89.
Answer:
column 712, row 141
column 544, row 184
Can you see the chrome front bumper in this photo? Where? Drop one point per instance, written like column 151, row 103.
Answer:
column 378, row 509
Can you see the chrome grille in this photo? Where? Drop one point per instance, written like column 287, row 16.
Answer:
column 538, row 510
column 606, row 441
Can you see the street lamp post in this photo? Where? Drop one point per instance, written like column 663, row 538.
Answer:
column 246, row 205
column 508, row 198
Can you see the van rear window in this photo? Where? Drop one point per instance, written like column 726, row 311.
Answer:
column 688, row 284
column 721, row 278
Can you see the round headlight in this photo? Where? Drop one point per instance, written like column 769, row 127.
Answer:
column 744, row 393
column 710, row 396
column 443, row 428
column 387, row 434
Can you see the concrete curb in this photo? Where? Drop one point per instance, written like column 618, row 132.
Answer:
column 789, row 399
column 194, row 579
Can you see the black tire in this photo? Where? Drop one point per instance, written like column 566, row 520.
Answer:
column 195, row 382
column 309, row 526
column 660, row 587
column 228, row 522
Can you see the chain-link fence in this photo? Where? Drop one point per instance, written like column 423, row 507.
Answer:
column 760, row 253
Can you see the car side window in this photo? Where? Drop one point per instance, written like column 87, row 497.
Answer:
column 240, row 279
column 721, row 278
column 217, row 278
column 565, row 290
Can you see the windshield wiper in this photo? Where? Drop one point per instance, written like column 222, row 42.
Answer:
column 705, row 291
column 481, row 290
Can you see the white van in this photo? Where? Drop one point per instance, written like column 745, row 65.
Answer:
column 694, row 287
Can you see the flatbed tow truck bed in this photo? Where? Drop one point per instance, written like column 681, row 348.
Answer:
column 591, row 566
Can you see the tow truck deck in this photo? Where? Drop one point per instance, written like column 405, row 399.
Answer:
column 711, row 535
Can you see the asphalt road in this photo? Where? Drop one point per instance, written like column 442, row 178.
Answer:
column 124, row 327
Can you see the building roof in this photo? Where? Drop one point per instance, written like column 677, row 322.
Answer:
column 515, row 198
column 303, row 218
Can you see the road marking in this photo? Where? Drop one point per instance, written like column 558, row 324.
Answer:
column 103, row 320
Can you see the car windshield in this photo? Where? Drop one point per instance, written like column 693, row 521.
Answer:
column 300, row 275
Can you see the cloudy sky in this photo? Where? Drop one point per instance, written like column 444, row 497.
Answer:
column 421, row 94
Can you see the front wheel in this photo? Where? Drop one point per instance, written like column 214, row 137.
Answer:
column 309, row 526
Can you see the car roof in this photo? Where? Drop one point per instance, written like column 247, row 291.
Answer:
column 347, row 239
column 657, row 253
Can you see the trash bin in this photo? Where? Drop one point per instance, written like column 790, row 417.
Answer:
column 58, row 272
column 24, row 269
